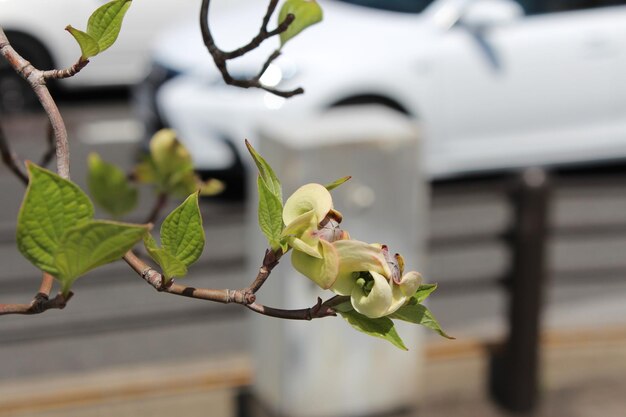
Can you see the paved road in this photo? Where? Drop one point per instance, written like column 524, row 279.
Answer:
column 116, row 319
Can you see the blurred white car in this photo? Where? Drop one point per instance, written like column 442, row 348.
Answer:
column 36, row 29
column 495, row 84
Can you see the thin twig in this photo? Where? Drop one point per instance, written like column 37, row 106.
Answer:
column 58, row 74
column 41, row 301
column 267, row 63
column 263, row 32
column 46, row 284
column 10, row 158
column 39, row 304
column 318, row 311
column 159, row 282
column 159, row 204
column 51, row 151
column 270, row 260
column 226, row 296
column 37, row 81
column 271, row 8
column 62, row 150
column 221, row 57
column 37, row 78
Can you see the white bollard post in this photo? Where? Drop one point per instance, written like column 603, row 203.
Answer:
column 324, row 367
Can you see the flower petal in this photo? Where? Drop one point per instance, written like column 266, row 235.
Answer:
column 321, row 271
column 306, row 198
column 356, row 256
column 400, row 293
column 301, row 234
column 300, row 245
column 377, row 302
column 301, row 223
column 410, row 283
column 345, row 282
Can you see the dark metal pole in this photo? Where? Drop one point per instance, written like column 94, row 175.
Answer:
column 515, row 367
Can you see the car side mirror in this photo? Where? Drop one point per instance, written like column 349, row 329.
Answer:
column 482, row 14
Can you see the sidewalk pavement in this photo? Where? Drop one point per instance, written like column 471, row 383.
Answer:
column 584, row 375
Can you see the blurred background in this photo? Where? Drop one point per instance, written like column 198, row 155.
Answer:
column 512, row 197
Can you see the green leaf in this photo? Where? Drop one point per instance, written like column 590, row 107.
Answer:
column 337, row 183
column 270, row 214
column 419, row 314
column 267, row 173
column 109, row 187
column 422, row 293
column 381, row 327
column 344, row 307
column 170, row 168
column 105, row 23
column 182, row 237
column 184, row 183
column 171, row 266
column 171, row 159
column 88, row 45
column 306, row 13
column 270, row 200
column 182, row 234
column 51, row 206
column 210, row 187
column 92, row 244
column 145, row 171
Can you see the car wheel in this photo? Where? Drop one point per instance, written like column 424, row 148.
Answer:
column 15, row 93
column 372, row 99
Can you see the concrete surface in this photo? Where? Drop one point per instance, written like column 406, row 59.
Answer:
column 584, row 375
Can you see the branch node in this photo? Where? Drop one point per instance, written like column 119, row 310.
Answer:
column 249, row 297
column 41, row 297
column 155, row 279
column 62, row 303
column 145, row 272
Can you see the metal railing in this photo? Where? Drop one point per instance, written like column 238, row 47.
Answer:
column 530, row 195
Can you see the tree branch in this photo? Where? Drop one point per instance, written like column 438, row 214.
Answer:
column 263, row 32
column 159, row 204
column 50, row 152
column 318, row 311
column 62, row 149
column 221, row 57
column 245, row 297
column 40, row 303
column 158, row 282
column 46, row 284
column 270, row 260
column 10, row 158
column 56, row 129
column 37, row 81
column 57, row 74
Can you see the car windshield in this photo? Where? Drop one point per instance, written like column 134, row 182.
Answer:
column 405, row 6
